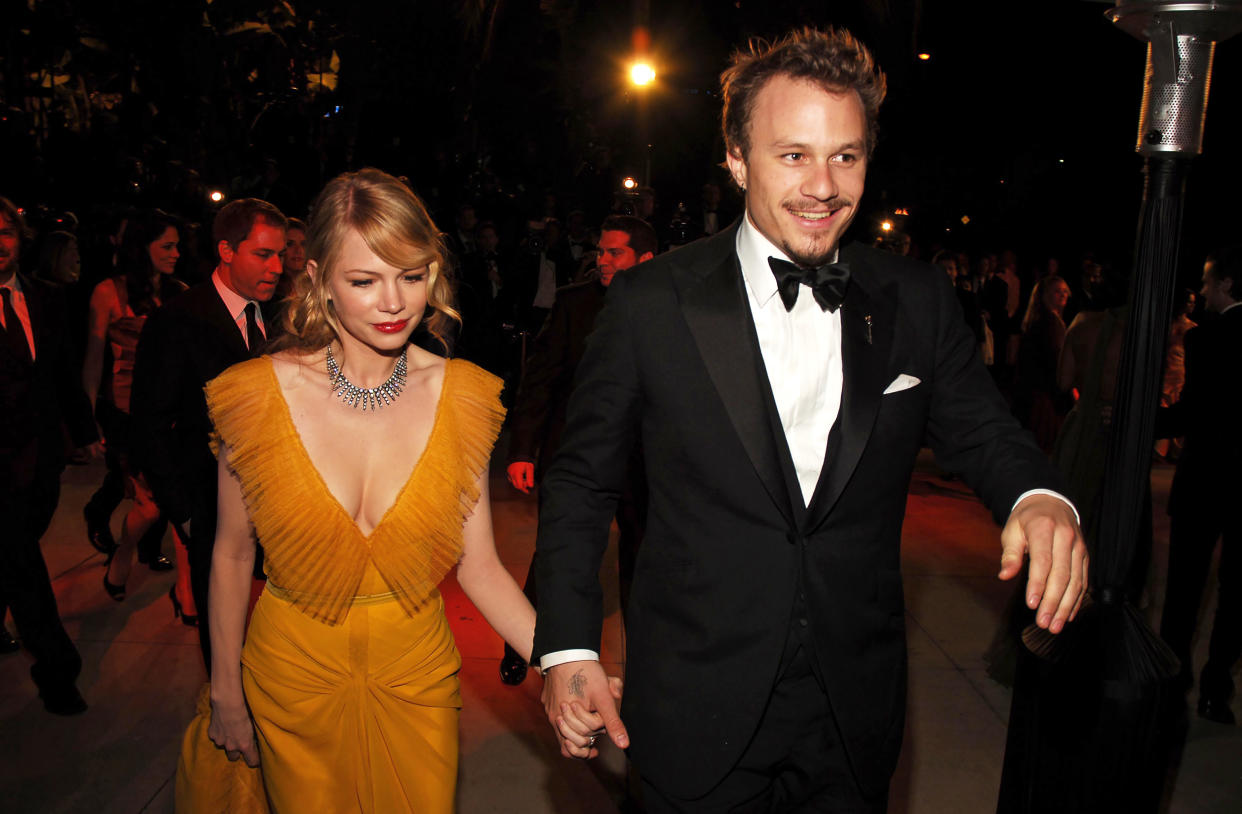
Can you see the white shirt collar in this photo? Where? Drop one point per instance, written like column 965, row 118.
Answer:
column 14, row 283
column 753, row 251
column 233, row 301
column 1224, row 311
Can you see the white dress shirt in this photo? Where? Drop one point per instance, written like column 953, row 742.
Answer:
column 801, row 351
column 236, row 304
column 18, row 299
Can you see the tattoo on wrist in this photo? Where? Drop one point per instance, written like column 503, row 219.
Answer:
column 577, row 685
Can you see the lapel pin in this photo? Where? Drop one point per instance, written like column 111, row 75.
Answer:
column 867, row 321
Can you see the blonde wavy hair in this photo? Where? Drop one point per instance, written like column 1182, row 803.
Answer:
column 394, row 224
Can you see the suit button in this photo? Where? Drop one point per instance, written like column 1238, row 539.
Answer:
column 802, row 621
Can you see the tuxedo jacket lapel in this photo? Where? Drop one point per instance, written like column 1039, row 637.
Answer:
column 714, row 303
column 867, row 322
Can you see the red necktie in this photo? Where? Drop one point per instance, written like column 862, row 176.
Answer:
column 15, row 335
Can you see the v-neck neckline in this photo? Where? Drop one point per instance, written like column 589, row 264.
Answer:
column 310, row 463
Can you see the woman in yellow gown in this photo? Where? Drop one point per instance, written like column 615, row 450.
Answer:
column 361, row 462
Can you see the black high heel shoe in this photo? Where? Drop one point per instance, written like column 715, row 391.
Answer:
column 186, row 619
column 117, row 592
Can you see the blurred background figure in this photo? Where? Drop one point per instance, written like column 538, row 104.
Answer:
column 59, row 261
column 39, row 399
column 1035, row 392
column 119, row 308
column 294, row 261
column 1204, row 496
column 537, row 419
column 1175, row 365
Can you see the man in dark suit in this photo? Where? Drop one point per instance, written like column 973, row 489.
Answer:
column 1206, row 486
column 38, row 393
column 538, row 415
column 186, row 344
column 766, row 653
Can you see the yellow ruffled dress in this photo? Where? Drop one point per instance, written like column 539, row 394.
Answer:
column 349, row 666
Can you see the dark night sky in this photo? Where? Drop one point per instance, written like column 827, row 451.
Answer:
column 1044, row 96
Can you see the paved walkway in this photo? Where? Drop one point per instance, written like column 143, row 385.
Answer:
column 142, row 673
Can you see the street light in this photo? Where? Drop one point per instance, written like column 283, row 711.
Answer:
column 642, row 73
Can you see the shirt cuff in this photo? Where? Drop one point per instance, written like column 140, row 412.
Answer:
column 1049, row 493
column 549, row 660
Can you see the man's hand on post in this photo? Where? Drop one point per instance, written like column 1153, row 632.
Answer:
column 1044, row 528
column 522, row 475
column 580, row 701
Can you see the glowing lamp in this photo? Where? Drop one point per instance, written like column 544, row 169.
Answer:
column 642, row 74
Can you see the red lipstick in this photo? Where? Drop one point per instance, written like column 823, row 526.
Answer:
column 391, row 327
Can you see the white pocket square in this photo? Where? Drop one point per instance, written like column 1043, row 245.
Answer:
column 903, row 382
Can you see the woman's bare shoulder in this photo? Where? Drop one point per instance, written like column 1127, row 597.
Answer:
column 425, row 366
column 296, row 369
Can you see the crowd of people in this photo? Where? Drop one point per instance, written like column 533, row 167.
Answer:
column 228, row 378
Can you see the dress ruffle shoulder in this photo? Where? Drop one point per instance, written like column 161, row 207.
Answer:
column 313, row 549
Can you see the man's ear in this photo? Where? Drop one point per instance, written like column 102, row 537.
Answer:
column 225, row 251
column 312, row 268
column 737, row 167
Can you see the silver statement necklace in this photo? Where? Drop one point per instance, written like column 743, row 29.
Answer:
column 367, row 398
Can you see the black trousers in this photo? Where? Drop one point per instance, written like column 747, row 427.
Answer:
column 26, row 587
column 1192, row 539
column 199, row 547
column 795, row 762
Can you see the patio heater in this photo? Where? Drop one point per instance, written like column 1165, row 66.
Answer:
column 1087, row 731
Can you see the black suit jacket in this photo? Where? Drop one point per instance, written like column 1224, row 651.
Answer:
column 36, row 398
column 675, row 361
column 1207, row 477
column 538, row 416
column 184, row 344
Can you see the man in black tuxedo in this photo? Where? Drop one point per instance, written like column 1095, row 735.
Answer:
column 538, row 415
column 186, row 344
column 1207, row 484
column 766, row 653
column 38, row 393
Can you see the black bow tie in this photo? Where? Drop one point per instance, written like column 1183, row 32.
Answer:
column 828, row 282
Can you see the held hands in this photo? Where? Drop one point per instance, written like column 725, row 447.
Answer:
column 1044, row 528
column 581, row 703
column 232, row 730
column 522, row 475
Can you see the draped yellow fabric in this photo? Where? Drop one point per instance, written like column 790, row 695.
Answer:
column 207, row 781
column 349, row 666
column 312, row 547
column 360, row 716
